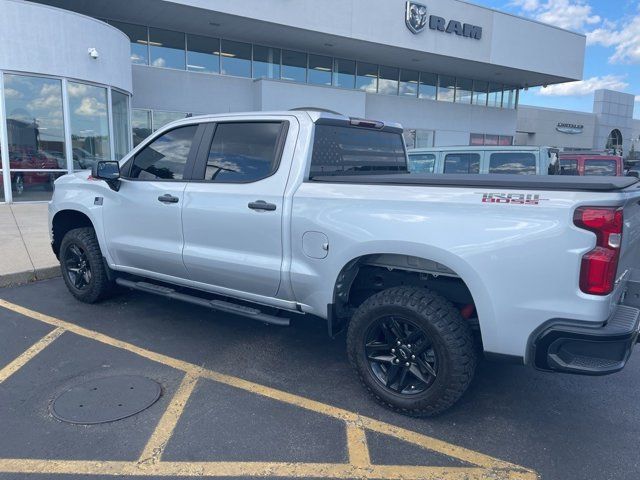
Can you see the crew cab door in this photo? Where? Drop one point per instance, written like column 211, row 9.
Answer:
column 233, row 208
column 142, row 221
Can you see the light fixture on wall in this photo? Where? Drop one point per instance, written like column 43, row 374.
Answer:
column 93, row 53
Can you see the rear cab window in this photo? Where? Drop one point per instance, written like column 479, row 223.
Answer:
column 601, row 167
column 343, row 149
column 518, row 163
column 462, row 163
column 422, row 162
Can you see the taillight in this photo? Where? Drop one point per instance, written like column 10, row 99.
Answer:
column 599, row 266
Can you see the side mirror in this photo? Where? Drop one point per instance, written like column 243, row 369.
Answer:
column 633, row 173
column 109, row 171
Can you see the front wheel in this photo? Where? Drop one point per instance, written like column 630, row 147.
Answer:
column 412, row 350
column 83, row 269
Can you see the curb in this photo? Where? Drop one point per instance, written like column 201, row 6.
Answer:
column 29, row 276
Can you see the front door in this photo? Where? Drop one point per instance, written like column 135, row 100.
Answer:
column 144, row 227
column 233, row 210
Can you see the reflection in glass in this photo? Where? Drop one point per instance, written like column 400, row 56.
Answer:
column 428, row 85
column 121, row 129
column 462, row 163
column 35, row 127
column 367, row 77
column 320, row 70
column 447, row 88
column 294, row 66
column 139, row 41
column 33, row 186
column 266, row 62
column 344, row 73
column 495, row 95
column 236, row 58
column 476, row 139
column 422, row 163
column 167, row 48
column 509, row 99
column 409, row 83
column 517, row 163
column 88, row 123
column 491, row 140
column 140, row 125
column 480, row 92
column 463, row 90
column 160, row 119
column 388, row 82
column 203, row 54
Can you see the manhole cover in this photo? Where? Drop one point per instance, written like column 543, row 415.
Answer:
column 106, row 399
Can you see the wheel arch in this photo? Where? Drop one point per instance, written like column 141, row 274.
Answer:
column 64, row 221
column 417, row 259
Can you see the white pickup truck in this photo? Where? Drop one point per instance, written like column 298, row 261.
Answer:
column 265, row 215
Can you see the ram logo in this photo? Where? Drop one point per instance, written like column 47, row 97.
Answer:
column 416, row 17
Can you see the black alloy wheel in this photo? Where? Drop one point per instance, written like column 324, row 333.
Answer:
column 77, row 267
column 401, row 356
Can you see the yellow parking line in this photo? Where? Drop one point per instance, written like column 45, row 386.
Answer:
column 359, row 465
column 155, row 446
column 357, row 446
column 28, row 354
column 255, row 469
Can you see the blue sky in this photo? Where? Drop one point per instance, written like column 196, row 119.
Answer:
column 612, row 58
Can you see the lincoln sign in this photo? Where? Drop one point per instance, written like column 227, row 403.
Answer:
column 417, row 20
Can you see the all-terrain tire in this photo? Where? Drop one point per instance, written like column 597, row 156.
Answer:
column 450, row 336
column 99, row 287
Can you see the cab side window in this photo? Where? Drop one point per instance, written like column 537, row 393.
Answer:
column 517, row 163
column 243, row 152
column 165, row 158
column 422, row 163
column 462, row 163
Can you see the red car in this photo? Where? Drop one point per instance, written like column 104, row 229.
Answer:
column 591, row 164
column 29, row 158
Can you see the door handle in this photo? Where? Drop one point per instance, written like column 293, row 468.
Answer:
column 168, row 198
column 262, row 205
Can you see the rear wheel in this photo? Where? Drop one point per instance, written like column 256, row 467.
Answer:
column 83, row 269
column 412, row 350
column 18, row 185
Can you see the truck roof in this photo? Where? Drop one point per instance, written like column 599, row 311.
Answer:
column 482, row 148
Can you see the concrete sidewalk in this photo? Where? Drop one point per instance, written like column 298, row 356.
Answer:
column 26, row 252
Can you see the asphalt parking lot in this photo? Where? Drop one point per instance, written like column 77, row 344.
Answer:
column 242, row 399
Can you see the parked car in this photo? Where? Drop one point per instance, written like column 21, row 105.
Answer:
column 30, row 158
column 587, row 164
column 424, row 271
column 520, row 160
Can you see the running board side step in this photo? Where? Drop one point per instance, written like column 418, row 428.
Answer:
column 219, row 305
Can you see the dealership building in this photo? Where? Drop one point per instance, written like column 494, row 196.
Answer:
column 82, row 80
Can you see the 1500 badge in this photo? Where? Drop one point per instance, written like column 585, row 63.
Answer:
column 512, row 198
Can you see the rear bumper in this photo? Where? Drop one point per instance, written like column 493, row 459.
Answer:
column 569, row 346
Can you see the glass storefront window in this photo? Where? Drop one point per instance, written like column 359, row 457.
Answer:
column 167, row 48
column 447, row 88
column 236, row 58
column 464, row 88
column 495, row 95
column 509, row 99
column 160, row 118
column 203, row 54
column 428, row 86
column 140, row 125
column 139, row 41
column 34, row 120
column 388, row 80
column 121, row 127
column 491, row 140
column 480, row 92
column 409, row 83
column 88, row 123
column 367, row 77
column 294, row 66
column 266, row 62
column 320, row 70
column 344, row 73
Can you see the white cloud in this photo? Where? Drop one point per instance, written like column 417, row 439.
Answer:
column 623, row 36
column 77, row 89
column 159, row 62
column 12, row 93
column 585, row 87
column 90, row 106
column 571, row 14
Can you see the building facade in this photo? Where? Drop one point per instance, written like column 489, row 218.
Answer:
column 448, row 70
column 610, row 126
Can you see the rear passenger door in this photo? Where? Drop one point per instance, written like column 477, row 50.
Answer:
column 233, row 207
